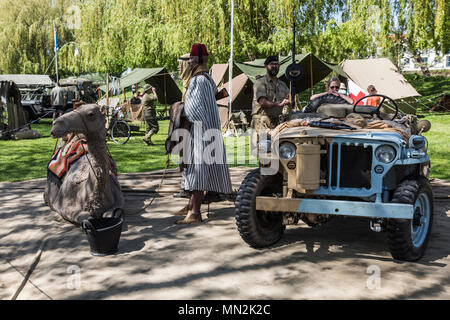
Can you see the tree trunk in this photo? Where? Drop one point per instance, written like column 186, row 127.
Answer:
column 423, row 66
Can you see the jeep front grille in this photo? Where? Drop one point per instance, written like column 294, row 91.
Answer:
column 346, row 165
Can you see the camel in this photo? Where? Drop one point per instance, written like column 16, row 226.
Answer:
column 89, row 186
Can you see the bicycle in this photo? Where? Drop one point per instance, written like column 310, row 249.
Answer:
column 119, row 130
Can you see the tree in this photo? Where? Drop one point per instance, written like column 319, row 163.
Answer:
column 26, row 35
column 113, row 35
column 421, row 25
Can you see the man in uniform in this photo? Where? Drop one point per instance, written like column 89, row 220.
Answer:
column 58, row 100
column 270, row 95
column 148, row 108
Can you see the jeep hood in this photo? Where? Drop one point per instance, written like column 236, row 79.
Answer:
column 366, row 134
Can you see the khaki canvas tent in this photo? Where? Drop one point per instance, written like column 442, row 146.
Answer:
column 166, row 88
column 241, row 99
column 386, row 78
column 218, row 72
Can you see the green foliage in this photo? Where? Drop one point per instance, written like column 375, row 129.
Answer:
column 116, row 34
column 26, row 34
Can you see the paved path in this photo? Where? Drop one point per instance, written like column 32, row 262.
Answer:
column 43, row 257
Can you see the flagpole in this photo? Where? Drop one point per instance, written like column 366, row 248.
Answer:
column 56, row 51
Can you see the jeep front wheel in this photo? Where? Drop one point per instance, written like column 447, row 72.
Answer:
column 258, row 228
column 408, row 239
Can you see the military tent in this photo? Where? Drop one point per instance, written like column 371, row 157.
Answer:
column 386, row 78
column 218, row 72
column 241, row 98
column 246, row 73
column 314, row 69
column 166, row 88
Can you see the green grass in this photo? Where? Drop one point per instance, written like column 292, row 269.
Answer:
column 439, row 145
column 429, row 86
column 28, row 159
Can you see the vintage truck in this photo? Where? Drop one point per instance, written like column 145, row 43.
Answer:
column 325, row 167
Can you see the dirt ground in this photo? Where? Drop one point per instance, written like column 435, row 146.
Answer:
column 43, row 257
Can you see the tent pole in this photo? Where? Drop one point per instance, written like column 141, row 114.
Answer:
column 107, row 89
column 230, row 67
column 165, row 94
column 311, row 71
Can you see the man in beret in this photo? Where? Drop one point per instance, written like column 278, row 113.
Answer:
column 270, row 95
column 148, row 108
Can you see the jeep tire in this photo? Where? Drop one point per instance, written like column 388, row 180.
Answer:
column 408, row 239
column 258, row 228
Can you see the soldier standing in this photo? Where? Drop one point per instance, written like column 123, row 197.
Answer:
column 148, row 108
column 270, row 95
column 58, row 100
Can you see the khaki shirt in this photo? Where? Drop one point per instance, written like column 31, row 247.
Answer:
column 148, row 101
column 264, row 87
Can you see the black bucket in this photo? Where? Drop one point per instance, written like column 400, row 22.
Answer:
column 103, row 234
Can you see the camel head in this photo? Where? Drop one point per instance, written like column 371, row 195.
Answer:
column 87, row 119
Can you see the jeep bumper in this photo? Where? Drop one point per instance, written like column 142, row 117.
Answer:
column 336, row 207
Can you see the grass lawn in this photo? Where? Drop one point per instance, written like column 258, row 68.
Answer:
column 429, row 87
column 27, row 159
column 439, row 145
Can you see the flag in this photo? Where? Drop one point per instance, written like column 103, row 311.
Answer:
column 356, row 93
column 56, row 39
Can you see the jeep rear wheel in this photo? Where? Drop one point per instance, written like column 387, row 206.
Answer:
column 258, row 228
column 408, row 239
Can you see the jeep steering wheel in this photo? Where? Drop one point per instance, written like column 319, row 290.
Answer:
column 374, row 110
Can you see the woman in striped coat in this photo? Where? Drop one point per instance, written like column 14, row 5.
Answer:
column 204, row 154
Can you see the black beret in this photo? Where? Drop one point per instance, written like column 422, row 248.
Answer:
column 270, row 59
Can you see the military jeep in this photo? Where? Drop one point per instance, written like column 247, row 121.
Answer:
column 327, row 168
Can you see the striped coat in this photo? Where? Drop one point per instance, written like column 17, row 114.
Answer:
column 204, row 155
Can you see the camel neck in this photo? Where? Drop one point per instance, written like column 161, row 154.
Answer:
column 97, row 148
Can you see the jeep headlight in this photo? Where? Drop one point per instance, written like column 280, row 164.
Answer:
column 287, row 151
column 385, row 153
